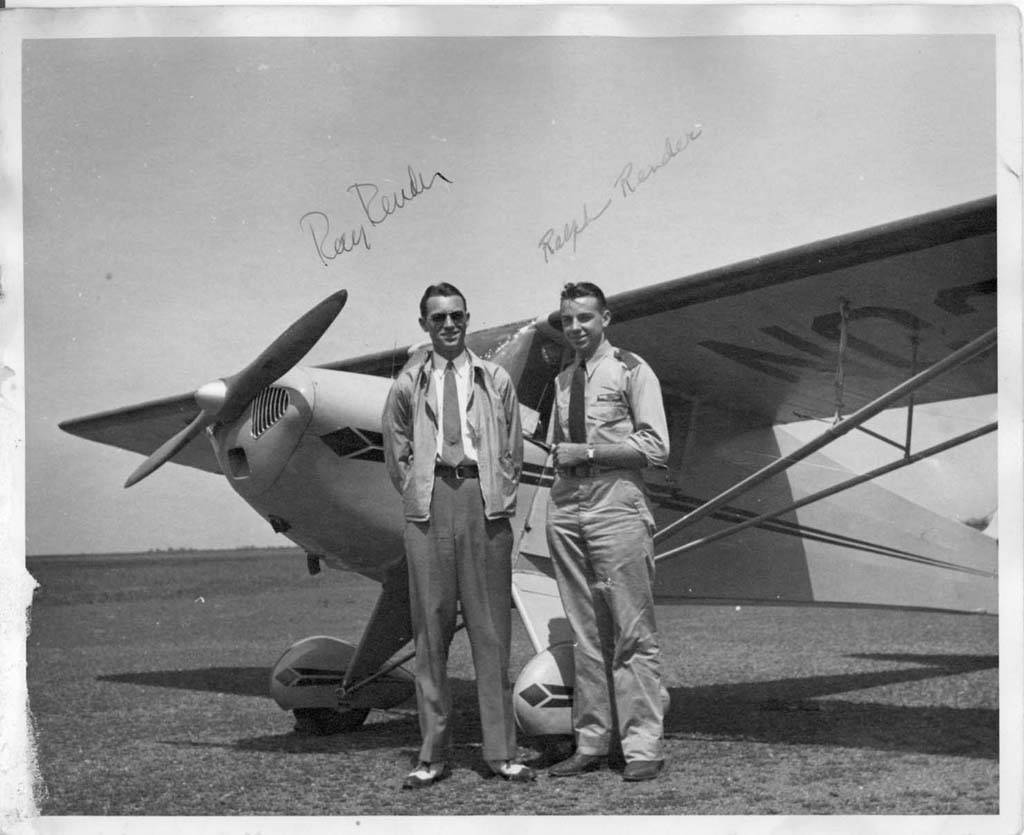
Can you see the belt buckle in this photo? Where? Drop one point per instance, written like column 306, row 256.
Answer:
column 460, row 472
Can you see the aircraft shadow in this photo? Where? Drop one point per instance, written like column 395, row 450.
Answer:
column 786, row 711
column 232, row 681
column 794, row 712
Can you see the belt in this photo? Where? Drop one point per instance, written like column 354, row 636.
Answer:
column 461, row 472
column 584, row 470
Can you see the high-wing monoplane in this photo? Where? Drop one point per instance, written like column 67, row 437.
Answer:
column 839, row 330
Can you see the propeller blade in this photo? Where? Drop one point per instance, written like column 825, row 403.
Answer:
column 170, row 448
column 224, row 400
column 282, row 354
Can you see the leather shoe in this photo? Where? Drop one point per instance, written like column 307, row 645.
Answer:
column 578, row 763
column 425, row 774
column 639, row 770
column 513, row 772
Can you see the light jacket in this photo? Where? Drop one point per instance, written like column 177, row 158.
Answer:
column 409, row 425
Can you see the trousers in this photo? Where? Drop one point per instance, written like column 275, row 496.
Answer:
column 459, row 555
column 600, row 541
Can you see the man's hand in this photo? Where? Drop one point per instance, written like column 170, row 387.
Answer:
column 569, row 455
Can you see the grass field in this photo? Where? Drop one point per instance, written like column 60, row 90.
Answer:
column 148, row 678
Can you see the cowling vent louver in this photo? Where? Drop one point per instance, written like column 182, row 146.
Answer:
column 268, row 408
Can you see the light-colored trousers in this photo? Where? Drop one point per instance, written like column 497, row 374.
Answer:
column 599, row 536
column 459, row 555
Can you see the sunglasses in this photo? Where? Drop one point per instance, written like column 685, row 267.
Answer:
column 458, row 317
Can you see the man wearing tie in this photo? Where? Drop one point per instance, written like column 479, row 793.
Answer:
column 609, row 423
column 453, row 448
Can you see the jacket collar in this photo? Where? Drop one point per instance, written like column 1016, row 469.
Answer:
column 426, row 366
column 425, row 380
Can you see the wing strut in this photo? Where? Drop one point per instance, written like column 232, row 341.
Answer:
column 971, row 349
column 830, row 491
column 839, row 384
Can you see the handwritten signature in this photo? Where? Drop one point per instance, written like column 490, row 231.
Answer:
column 376, row 208
column 629, row 179
column 319, row 225
column 550, row 243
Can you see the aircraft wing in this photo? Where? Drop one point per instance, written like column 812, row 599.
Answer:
column 388, row 363
column 143, row 428
column 760, row 336
column 763, row 336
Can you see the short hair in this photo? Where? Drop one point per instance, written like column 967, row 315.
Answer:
column 441, row 289
column 581, row 289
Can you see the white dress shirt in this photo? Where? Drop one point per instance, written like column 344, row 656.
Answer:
column 463, row 368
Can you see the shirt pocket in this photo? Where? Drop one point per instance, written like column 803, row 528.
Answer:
column 608, row 409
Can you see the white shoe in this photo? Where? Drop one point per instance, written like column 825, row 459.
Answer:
column 425, row 774
column 515, row 772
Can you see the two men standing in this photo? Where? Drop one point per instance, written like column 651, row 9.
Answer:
column 453, row 448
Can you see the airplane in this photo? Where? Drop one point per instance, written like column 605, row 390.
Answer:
column 838, row 330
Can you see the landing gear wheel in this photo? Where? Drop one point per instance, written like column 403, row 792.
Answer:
column 324, row 721
column 307, row 678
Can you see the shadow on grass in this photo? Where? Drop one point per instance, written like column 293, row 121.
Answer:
column 778, row 711
column 234, row 681
column 788, row 711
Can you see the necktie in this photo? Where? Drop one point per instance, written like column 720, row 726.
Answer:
column 452, row 452
column 577, row 405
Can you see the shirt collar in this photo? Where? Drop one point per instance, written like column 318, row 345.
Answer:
column 462, row 362
column 603, row 350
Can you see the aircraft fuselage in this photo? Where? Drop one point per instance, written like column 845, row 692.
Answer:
column 308, row 457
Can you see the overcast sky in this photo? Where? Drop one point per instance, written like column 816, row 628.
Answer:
column 165, row 180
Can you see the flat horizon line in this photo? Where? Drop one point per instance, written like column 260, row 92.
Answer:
column 162, row 552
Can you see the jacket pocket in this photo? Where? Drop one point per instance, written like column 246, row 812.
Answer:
column 505, row 481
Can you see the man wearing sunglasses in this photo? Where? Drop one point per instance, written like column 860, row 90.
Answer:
column 454, row 450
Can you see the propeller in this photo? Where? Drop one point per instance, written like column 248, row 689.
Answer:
column 224, row 400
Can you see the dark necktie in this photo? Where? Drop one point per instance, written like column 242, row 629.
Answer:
column 577, row 405
column 452, row 452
